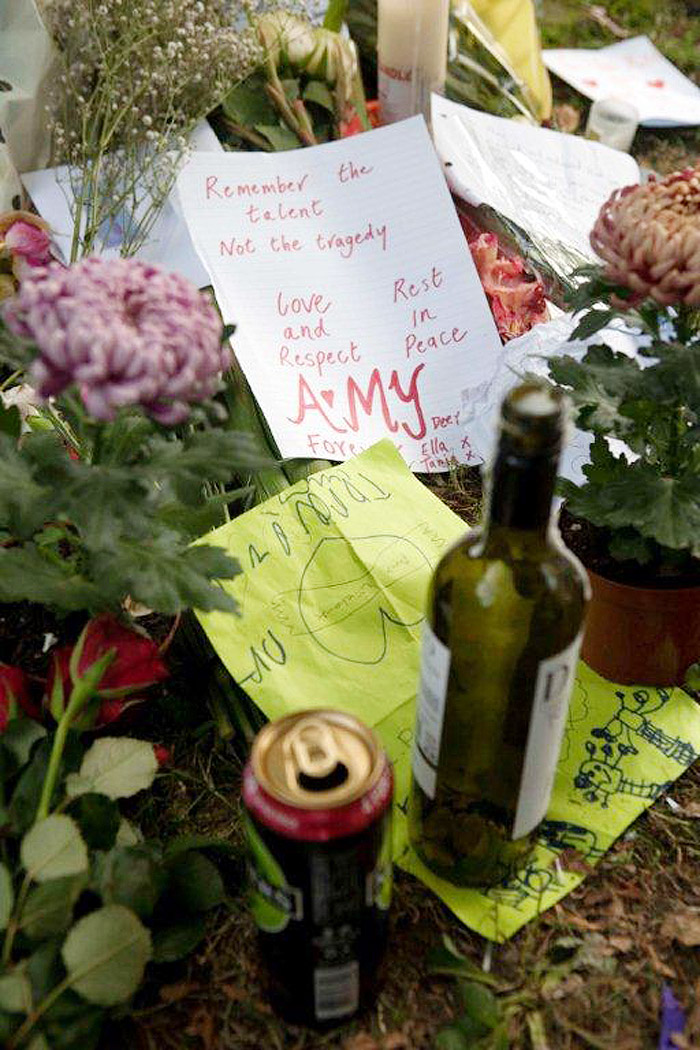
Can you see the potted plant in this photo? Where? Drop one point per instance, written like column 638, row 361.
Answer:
column 635, row 521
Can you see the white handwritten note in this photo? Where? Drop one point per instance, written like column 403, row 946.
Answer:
column 635, row 71
column 551, row 184
column 360, row 314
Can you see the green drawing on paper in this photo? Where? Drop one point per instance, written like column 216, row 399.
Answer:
column 332, row 598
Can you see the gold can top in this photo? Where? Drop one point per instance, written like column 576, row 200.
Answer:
column 317, row 759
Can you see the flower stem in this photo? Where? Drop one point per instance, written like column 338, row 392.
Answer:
column 36, row 1014
column 13, row 924
column 83, row 689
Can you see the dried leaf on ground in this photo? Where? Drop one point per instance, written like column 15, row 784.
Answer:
column 202, row 1025
column 173, row 993
column 682, row 926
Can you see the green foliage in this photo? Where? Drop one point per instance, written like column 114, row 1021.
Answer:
column 82, row 913
column 649, row 502
column 83, row 534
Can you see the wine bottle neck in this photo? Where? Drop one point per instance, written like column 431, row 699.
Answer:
column 521, row 492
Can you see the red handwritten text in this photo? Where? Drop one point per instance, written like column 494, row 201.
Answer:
column 405, row 289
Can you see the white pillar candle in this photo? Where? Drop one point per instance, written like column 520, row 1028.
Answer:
column 412, row 55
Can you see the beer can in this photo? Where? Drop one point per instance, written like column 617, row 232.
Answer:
column 317, row 793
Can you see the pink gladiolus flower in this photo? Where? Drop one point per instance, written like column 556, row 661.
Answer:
column 124, row 332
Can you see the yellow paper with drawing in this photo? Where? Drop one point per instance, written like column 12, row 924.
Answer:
column 332, row 596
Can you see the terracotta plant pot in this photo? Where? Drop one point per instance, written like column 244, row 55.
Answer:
column 641, row 635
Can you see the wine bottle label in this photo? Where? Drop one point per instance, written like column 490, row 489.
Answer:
column 430, row 709
column 550, row 707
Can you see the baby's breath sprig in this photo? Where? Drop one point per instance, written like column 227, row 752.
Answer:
column 136, row 76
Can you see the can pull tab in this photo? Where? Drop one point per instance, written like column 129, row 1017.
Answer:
column 313, row 760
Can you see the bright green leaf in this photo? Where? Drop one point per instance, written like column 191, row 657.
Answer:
column 6, row 896
column 15, row 993
column 49, row 907
column 53, row 848
column 105, row 955
column 117, row 767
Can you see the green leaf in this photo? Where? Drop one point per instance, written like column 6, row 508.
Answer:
column 73, row 1024
column 117, row 767
column 133, row 876
column 171, row 943
column 128, row 834
column 451, row 1039
column 480, row 1004
column 194, row 883
column 7, row 896
column 27, row 575
column 10, row 421
column 591, row 322
column 692, row 678
column 20, row 737
column 448, row 960
column 53, row 848
column 318, row 92
column 98, row 818
column 44, row 967
column 249, row 104
column 49, row 907
column 185, row 843
column 335, row 15
column 661, row 508
column 167, row 577
column 279, row 136
column 15, row 993
column 105, row 955
column 628, row 545
column 38, row 1043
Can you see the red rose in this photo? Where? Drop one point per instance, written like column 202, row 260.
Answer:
column 14, row 692
column 136, row 665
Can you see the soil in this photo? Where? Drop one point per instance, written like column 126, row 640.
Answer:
column 590, row 544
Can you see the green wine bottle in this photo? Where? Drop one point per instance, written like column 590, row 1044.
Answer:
column 499, row 652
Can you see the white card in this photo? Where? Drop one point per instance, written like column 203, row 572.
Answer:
column 169, row 242
column 552, row 185
column 359, row 310
column 633, row 70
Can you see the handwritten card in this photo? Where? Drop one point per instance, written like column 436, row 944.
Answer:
column 332, row 597
column 359, row 310
column 635, row 71
column 552, row 185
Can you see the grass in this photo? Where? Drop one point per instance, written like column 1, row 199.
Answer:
column 589, row 972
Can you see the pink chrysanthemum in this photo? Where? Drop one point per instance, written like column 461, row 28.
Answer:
column 649, row 239
column 124, row 332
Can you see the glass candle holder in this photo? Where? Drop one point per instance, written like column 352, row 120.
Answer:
column 612, row 122
column 412, row 56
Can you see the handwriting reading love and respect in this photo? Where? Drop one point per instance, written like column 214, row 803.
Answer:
column 358, row 310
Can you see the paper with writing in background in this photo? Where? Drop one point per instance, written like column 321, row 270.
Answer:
column 552, row 185
column 360, row 314
column 332, row 595
column 633, row 70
